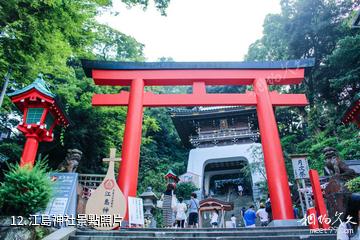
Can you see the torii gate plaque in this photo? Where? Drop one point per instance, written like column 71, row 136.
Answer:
column 199, row 74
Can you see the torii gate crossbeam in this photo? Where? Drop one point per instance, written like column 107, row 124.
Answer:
column 199, row 75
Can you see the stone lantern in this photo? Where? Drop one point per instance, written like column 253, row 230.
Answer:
column 42, row 112
column 149, row 199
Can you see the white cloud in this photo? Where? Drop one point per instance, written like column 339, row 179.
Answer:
column 195, row 30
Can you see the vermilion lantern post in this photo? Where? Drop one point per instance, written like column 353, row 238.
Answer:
column 41, row 113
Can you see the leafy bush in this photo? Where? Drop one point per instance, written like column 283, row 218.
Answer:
column 353, row 185
column 25, row 191
column 184, row 189
column 41, row 232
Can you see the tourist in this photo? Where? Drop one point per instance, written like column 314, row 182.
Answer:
column 167, row 210
column 250, row 217
column 349, row 227
column 268, row 207
column 214, row 218
column 242, row 212
column 240, row 190
column 180, row 213
column 296, row 211
column 193, row 211
column 233, row 221
column 263, row 215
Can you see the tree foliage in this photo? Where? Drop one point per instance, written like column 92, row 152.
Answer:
column 319, row 29
column 354, row 185
column 184, row 189
column 50, row 37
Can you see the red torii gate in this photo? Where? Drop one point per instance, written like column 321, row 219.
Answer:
column 200, row 74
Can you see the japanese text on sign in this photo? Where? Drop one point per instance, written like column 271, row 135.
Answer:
column 301, row 168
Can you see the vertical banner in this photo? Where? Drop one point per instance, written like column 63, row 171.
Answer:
column 136, row 211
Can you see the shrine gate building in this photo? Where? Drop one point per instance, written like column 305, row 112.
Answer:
column 224, row 146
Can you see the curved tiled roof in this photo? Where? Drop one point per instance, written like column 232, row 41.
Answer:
column 39, row 84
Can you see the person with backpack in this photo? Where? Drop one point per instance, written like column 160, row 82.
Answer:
column 193, row 211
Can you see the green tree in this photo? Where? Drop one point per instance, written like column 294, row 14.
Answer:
column 184, row 189
column 319, row 29
column 50, row 37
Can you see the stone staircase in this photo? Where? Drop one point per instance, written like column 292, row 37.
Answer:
column 239, row 202
column 258, row 233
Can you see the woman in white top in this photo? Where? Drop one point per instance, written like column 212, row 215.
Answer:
column 180, row 213
column 263, row 215
column 214, row 218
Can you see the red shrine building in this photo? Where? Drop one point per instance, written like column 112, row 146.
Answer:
column 198, row 75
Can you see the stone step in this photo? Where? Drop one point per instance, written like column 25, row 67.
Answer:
column 240, row 229
column 210, row 229
column 195, row 234
column 260, row 233
column 283, row 237
column 200, row 231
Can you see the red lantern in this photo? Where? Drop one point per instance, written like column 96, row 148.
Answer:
column 171, row 178
column 41, row 114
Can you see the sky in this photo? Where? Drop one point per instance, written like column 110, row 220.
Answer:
column 194, row 30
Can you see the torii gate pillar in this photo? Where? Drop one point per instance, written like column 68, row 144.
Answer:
column 129, row 168
column 258, row 74
column 273, row 156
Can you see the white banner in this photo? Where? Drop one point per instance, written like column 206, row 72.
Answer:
column 136, row 211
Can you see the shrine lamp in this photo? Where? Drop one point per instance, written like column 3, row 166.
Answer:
column 42, row 112
column 171, row 178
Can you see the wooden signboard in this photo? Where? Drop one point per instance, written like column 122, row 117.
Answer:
column 107, row 200
column 300, row 166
